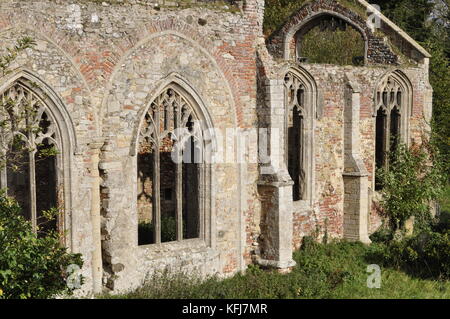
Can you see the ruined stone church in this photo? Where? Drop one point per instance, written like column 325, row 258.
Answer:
column 121, row 86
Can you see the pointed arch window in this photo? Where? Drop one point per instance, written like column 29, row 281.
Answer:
column 171, row 172
column 300, row 112
column 30, row 144
column 392, row 109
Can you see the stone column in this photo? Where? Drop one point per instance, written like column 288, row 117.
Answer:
column 119, row 220
column 275, row 185
column 97, row 264
column 356, row 196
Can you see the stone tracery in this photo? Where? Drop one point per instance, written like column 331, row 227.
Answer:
column 28, row 133
column 170, row 150
column 300, row 113
column 392, row 111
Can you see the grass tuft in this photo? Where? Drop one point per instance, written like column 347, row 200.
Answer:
column 336, row 270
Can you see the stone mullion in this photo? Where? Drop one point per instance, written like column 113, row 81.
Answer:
column 201, row 197
column 60, row 189
column 179, row 175
column 156, row 176
column 387, row 135
column 32, row 189
column 286, row 125
column 3, row 170
column 32, row 165
column 399, row 114
column 4, row 176
column 301, row 150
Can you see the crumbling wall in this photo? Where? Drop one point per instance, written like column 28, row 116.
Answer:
column 106, row 61
column 281, row 43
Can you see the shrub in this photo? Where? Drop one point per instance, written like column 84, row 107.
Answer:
column 278, row 11
column 426, row 254
column 31, row 266
column 168, row 230
column 333, row 47
column 411, row 183
column 383, row 235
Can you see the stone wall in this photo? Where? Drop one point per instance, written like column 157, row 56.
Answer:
column 331, row 81
column 105, row 62
column 281, row 43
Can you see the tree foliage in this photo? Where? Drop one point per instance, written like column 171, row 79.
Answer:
column 333, row 47
column 428, row 22
column 413, row 180
column 31, row 266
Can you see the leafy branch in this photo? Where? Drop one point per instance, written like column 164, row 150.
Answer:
column 12, row 53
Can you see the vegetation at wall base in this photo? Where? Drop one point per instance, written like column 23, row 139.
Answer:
column 412, row 181
column 335, row 270
column 31, row 265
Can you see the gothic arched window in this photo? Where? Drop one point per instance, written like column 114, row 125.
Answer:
column 392, row 109
column 30, row 146
column 170, row 170
column 300, row 113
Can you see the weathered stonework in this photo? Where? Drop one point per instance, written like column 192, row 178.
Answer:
column 104, row 64
column 281, row 44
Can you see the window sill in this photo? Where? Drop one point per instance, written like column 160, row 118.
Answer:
column 175, row 246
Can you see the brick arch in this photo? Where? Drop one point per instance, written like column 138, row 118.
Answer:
column 122, row 48
column 178, row 28
column 305, row 25
column 31, row 29
column 110, row 59
column 63, row 41
column 376, row 51
column 58, row 43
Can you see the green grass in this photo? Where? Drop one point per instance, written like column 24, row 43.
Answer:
column 445, row 201
column 336, row 270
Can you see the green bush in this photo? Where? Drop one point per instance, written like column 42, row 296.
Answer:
column 277, row 12
column 410, row 184
column 333, row 47
column 425, row 255
column 383, row 235
column 168, row 230
column 31, row 266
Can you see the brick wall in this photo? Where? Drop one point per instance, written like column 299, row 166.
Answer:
column 106, row 62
